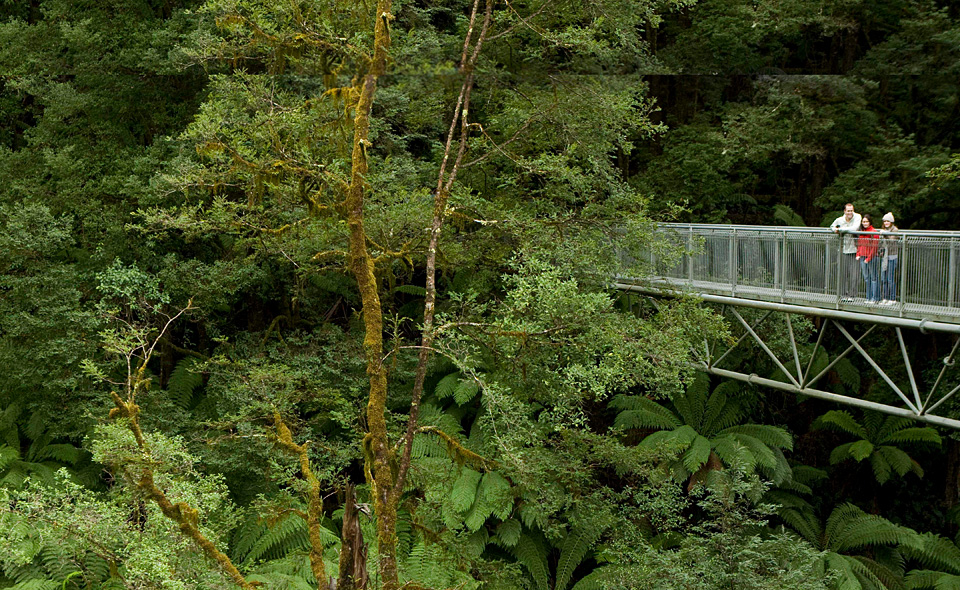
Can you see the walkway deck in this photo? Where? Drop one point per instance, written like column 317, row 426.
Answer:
column 799, row 266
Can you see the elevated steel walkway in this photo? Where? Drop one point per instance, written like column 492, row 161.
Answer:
column 794, row 270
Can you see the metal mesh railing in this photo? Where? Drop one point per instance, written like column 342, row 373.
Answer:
column 807, row 266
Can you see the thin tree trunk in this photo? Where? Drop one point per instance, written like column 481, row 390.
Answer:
column 445, row 181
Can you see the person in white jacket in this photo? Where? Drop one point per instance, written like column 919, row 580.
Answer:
column 848, row 222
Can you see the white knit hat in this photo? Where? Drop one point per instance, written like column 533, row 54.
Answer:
column 888, row 217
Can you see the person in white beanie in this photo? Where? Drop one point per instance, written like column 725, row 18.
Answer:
column 889, row 254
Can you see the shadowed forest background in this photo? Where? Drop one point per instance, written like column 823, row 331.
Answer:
column 311, row 294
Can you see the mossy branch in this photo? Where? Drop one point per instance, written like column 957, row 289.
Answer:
column 186, row 517
column 314, row 515
column 459, row 453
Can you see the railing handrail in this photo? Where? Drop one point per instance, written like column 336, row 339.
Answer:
column 803, row 229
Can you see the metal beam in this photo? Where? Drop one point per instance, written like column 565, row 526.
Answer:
column 813, row 355
column 741, row 339
column 877, row 368
column 793, row 346
column 765, row 348
column 842, row 356
column 842, row 399
column 834, row 314
column 947, row 363
column 906, row 363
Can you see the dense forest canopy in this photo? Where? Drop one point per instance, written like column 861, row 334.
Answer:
column 312, row 293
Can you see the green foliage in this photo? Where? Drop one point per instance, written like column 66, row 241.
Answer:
column 37, row 456
column 728, row 547
column 153, row 153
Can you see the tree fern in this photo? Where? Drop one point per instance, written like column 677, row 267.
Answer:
column 707, row 424
column 879, row 438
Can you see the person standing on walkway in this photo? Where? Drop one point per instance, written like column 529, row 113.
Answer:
column 848, row 222
column 889, row 253
column 867, row 247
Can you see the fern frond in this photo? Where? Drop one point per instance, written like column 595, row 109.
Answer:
column 466, row 390
column 848, row 530
column 598, row 579
column 8, row 455
column 246, row 536
column 885, row 577
column 841, row 421
column 662, row 439
column 848, row 374
column 692, row 403
column 721, row 415
column 781, row 471
column 508, row 533
column 64, row 453
column 926, row 579
column 731, row 452
column 900, row 461
column 860, row 450
column 641, row 412
column 764, row 455
column 281, row 581
column 36, row 426
column 934, row 551
column 916, row 435
column 464, row 491
column 446, row 386
column 287, row 535
column 697, row 454
column 574, row 548
column 806, row 524
column 772, row 436
column 36, row 584
column 498, row 492
column 184, row 380
column 532, row 554
column 881, row 468
column 411, row 290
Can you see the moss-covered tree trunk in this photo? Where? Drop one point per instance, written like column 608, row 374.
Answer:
column 378, row 453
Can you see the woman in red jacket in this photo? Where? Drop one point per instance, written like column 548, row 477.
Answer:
column 867, row 246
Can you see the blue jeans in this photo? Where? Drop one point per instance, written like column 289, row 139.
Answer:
column 889, row 280
column 869, row 272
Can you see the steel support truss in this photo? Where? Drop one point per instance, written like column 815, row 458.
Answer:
column 917, row 405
